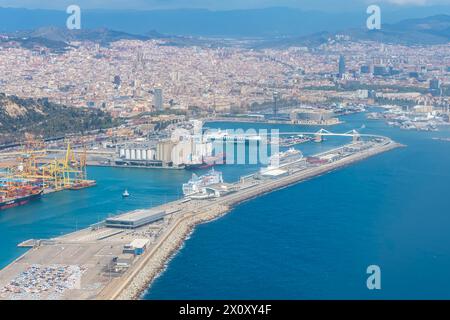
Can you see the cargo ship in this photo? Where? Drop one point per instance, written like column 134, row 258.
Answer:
column 197, row 184
column 18, row 196
column 82, row 185
column 207, row 162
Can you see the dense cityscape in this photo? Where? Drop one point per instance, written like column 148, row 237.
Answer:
column 126, row 77
column 137, row 139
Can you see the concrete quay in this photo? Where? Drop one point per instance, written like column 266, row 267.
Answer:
column 84, row 256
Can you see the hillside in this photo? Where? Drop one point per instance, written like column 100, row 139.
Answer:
column 425, row 31
column 58, row 39
column 40, row 117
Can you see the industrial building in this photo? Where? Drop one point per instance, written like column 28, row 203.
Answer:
column 135, row 219
column 136, row 247
column 123, row 261
column 274, row 173
column 165, row 153
column 136, row 153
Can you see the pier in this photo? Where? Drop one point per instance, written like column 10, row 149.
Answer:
column 92, row 262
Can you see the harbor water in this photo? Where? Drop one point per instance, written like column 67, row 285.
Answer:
column 313, row 240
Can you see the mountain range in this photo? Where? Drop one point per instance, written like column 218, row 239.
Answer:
column 422, row 31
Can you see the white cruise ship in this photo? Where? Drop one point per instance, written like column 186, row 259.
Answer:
column 283, row 158
column 197, row 184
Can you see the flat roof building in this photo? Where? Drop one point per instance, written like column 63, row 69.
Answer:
column 124, row 260
column 135, row 219
column 274, row 173
column 136, row 247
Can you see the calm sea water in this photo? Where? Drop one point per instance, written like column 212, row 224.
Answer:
column 312, row 240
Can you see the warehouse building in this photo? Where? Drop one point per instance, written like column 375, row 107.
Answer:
column 135, row 219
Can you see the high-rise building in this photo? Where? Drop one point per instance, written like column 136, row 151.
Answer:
column 435, row 84
column 365, row 69
column 379, row 71
column 341, row 66
column 435, row 87
column 158, row 99
column 117, row 81
column 276, row 96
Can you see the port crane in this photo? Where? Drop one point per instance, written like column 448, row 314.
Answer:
column 34, row 166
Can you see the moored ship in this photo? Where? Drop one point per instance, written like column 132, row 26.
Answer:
column 208, row 162
column 17, row 196
column 197, row 184
column 282, row 158
column 82, row 184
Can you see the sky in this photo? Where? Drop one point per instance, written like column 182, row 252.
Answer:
column 321, row 5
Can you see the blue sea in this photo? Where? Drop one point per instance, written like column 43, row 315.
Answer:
column 313, row 240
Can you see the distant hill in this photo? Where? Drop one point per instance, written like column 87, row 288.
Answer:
column 430, row 30
column 40, row 117
column 424, row 31
column 58, row 39
column 102, row 35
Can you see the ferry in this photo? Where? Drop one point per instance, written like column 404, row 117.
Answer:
column 196, row 184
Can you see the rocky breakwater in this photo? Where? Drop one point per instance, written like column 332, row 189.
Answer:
column 156, row 260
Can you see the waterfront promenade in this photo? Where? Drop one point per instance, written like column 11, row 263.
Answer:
column 84, row 256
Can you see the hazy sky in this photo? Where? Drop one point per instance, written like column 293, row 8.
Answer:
column 325, row 5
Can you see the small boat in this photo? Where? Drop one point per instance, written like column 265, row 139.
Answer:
column 125, row 193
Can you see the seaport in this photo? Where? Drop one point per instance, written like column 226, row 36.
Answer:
column 32, row 171
column 121, row 255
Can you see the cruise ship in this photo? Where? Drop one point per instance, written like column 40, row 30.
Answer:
column 283, row 158
column 197, row 184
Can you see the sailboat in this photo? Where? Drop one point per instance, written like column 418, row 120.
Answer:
column 125, row 193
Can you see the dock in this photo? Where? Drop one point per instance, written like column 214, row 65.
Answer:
column 86, row 257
